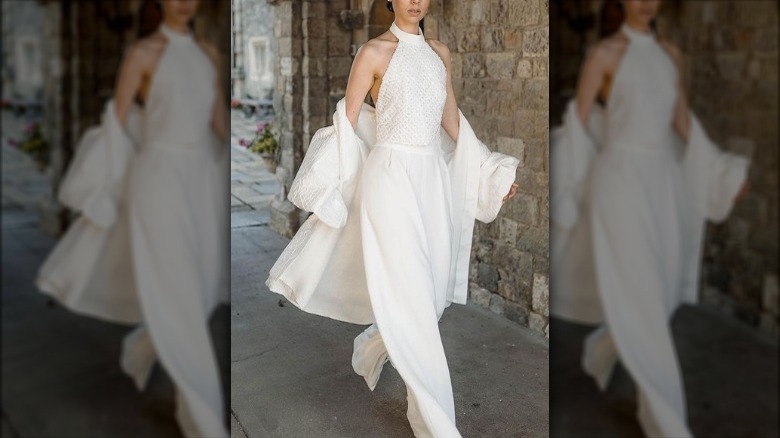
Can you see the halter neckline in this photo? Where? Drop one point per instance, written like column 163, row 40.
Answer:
column 406, row 36
column 637, row 36
column 173, row 35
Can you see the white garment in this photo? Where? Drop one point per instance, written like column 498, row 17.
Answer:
column 628, row 209
column 389, row 242
column 149, row 246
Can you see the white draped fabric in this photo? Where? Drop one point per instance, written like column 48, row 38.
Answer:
column 394, row 205
column 150, row 246
column 628, row 207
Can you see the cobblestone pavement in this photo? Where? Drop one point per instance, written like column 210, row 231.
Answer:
column 252, row 186
column 24, row 185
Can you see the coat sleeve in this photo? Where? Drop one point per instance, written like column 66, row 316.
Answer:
column 333, row 159
column 497, row 172
column 95, row 177
column 573, row 148
column 714, row 176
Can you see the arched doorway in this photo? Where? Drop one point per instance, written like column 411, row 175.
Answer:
column 379, row 18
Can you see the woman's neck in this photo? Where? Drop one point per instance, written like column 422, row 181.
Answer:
column 638, row 26
column 407, row 27
column 176, row 26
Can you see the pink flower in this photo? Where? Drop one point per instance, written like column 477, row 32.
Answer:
column 13, row 143
column 243, row 142
column 260, row 127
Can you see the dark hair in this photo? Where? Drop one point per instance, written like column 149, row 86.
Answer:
column 389, row 5
column 612, row 16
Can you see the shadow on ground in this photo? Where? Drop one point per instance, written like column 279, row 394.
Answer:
column 730, row 373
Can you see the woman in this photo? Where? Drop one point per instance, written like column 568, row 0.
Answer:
column 394, row 208
column 159, row 258
column 628, row 218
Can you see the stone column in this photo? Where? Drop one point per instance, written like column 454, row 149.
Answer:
column 288, row 105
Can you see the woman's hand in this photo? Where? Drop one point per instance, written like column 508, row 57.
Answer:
column 743, row 191
column 511, row 194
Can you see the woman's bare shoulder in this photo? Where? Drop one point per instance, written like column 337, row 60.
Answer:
column 376, row 51
column 146, row 50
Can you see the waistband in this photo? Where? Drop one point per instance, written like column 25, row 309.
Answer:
column 433, row 148
column 169, row 146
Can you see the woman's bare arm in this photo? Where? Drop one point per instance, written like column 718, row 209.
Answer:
column 128, row 82
column 590, row 81
column 361, row 79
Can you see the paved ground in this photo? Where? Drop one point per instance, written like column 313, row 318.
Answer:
column 60, row 372
column 730, row 373
column 291, row 372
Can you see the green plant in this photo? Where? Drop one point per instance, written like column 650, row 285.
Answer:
column 34, row 143
column 265, row 141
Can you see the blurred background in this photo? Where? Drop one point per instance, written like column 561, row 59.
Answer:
column 60, row 371
column 728, row 345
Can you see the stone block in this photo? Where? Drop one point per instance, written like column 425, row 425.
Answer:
column 480, row 296
column 315, row 27
column 731, row 65
column 536, row 94
column 496, row 304
column 493, row 39
column 513, row 38
column 314, row 9
column 474, row 66
column 289, row 47
column 541, row 300
column 537, row 322
column 507, row 231
column 523, row 12
column 515, row 312
column 488, row 276
column 468, row 40
column 339, row 45
column 536, row 43
column 456, row 66
column 316, row 47
column 524, row 68
column 479, row 12
column 500, row 65
column 508, row 290
column 339, row 66
column 540, row 68
column 289, row 66
column 533, row 239
column 285, row 218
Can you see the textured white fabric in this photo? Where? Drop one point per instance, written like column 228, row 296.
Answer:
column 162, row 259
column 401, row 254
column 412, row 93
column 628, row 204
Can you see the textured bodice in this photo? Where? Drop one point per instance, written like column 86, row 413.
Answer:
column 177, row 112
column 412, row 94
column 641, row 103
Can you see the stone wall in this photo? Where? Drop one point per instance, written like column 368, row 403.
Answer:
column 731, row 78
column 499, row 51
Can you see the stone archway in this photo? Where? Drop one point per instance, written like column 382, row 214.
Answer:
column 379, row 18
